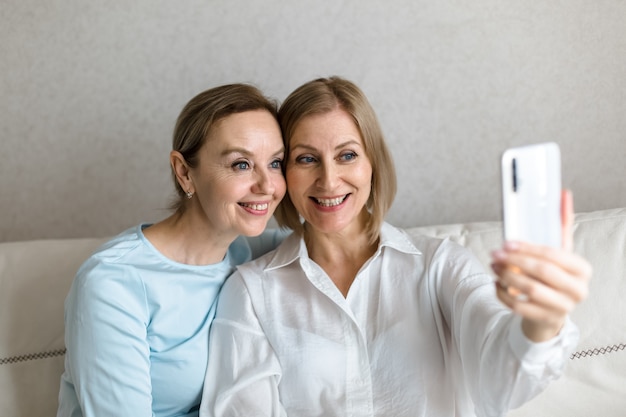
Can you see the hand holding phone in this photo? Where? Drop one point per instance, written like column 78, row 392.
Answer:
column 531, row 194
column 540, row 285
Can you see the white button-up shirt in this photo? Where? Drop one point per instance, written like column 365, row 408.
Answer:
column 420, row 333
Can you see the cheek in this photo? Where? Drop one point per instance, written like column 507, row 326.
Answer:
column 295, row 188
column 364, row 173
column 280, row 186
column 293, row 181
column 366, row 183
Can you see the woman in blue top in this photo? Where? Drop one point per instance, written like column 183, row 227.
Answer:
column 138, row 313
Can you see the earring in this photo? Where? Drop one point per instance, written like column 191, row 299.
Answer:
column 189, row 194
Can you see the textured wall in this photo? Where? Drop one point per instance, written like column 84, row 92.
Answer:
column 89, row 93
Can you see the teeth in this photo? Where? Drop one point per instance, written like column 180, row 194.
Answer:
column 258, row 207
column 330, row 202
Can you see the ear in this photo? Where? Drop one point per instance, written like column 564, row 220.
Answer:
column 182, row 171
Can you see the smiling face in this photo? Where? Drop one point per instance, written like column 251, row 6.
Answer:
column 238, row 181
column 328, row 173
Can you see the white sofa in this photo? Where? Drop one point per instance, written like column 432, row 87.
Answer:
column 35, row 277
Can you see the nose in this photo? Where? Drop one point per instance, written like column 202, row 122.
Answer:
column 264, row 183
column 328, row 176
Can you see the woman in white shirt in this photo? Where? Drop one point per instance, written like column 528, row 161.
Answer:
column 350, row 316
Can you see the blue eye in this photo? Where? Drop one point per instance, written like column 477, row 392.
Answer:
column 277, row 164
column 241, row 165
column 348, row 156
column 305, row 159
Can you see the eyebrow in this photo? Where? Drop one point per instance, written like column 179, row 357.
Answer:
column 246, row 152
column 341, row 145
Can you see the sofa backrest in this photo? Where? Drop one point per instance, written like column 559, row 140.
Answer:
column 594, row 383
column 35, row 277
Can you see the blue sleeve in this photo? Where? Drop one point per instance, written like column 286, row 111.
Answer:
column 108, row 357
column 267, row 241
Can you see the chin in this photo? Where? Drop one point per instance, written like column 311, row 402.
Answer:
column 253, row 230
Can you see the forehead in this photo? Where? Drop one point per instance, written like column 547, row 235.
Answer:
column 326, row 128
column 238, row 123
column 254, row 131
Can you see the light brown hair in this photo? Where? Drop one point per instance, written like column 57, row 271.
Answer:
column 324, row 95
column 200, row 115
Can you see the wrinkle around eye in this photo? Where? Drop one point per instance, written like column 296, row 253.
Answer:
column 241, row 166
column 348, row 156
column 277, row 164
column 305, row 159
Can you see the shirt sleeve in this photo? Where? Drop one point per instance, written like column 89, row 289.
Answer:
column 498, row 365
column 108, row 357
column 243, row 371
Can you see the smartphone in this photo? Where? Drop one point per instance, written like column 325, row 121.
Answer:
column 531, row 194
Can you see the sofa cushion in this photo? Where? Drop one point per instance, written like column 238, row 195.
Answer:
column 35, row 277
column 595, row 378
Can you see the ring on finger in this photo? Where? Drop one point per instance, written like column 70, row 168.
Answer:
column 513, row 292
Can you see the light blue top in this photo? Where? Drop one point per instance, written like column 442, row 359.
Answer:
column 137, row 325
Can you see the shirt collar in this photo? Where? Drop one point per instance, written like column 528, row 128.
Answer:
column 293, row 247
column 397, row 239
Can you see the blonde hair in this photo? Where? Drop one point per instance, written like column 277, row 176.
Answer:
column 200, row 115
column 324, row 95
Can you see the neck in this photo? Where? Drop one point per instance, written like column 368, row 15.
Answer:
column 341, row 255
column 185, row 239
column 338, row 247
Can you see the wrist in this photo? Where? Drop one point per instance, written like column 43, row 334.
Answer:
column 541, row 331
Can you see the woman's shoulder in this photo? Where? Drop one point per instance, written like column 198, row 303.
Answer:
column 267, row 241
column 119, row 247
column 285, row 253
column 436, row 249
column 408, row 240
column 120, row 253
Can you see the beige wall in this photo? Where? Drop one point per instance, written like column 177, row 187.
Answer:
column 89, row 93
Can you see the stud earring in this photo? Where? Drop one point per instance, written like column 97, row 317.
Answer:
column 189, row 194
